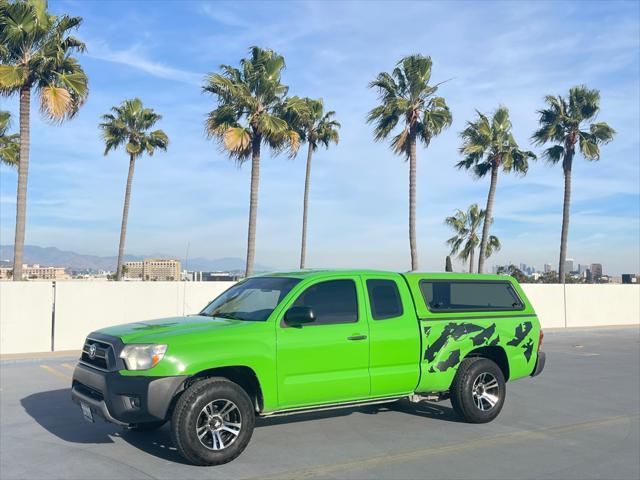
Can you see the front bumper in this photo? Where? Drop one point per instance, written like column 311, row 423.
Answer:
column 542, row 358
column 124, row 400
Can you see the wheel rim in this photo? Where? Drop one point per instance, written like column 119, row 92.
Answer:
column 219, row 424
column 486, row 391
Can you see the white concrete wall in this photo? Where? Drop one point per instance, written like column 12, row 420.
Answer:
column 25, row 317
column 594, row 305
column 548, row 302
column 81, row 307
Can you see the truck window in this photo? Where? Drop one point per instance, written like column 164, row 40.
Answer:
column 469, row 296
column 252, row 299
column 334, row 301
column 384, row 299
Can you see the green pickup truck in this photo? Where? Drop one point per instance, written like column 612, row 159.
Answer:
column 294, row 342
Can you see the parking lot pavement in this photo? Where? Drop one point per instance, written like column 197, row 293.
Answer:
column 579, row 419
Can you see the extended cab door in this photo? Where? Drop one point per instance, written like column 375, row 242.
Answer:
column 394, row 335
column 325, row 361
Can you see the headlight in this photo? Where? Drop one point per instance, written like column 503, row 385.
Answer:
column 142, row 357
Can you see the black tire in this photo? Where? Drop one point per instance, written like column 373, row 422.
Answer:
column 147, row 426
column 469, row 398
column 189, row 414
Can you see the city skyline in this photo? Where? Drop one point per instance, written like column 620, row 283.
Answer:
column 194, row 196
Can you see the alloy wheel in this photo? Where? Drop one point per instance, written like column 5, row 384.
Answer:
column 218, row 424
column 486, row 391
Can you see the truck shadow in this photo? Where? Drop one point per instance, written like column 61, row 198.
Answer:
column 55, row 412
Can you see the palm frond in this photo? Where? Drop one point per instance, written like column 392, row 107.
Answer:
column 602, row 132
column 564, row 122
column 493, row 245
column 589, row 146
column 405, row 94
column 9, row 143
column 251, row 99
column 554, row 154
column 130, row 124
column 487, row 142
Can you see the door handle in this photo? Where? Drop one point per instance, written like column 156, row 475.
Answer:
column 357, row 337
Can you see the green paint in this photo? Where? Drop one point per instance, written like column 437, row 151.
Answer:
column 317, row 364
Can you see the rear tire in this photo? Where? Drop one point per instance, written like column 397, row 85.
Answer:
column 478, row 390
column 212, row 422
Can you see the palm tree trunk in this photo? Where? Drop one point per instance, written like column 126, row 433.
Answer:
column 565, row 219
column 253, row 203
column 487, row 218
column 472, row 260
column 125, row 217
column 23, row 174
column 307, row 181
column 412, row 203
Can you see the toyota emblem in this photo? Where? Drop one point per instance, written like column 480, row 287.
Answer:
column 92, row 351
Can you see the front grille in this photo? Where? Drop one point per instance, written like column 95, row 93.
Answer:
column 103, row 356
column 88, row 391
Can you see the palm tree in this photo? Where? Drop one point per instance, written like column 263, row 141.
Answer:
column 9, row 143
column 565, row 122
column 465, row 240
column 35, row 52
column 488, row 146
column 407, row 98
column 249, row 113
column 316, row 127
column 130, row 125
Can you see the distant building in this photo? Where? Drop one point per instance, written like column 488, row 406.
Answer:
column 152, row 270
column 582, row 269
column 210, row 276
column 629, row 278
column 568, row 265
column 588, row 276
column 547, row 267
column 596, row 271
column 36, row 272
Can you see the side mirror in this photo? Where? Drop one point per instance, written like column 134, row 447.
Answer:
column 298, row 316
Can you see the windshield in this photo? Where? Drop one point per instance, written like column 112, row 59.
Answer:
column 253, row 299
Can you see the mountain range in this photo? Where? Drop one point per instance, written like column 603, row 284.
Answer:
column 72, row 261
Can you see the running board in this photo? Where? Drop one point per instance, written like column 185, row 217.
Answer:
column 429, row 397
column 334, row 406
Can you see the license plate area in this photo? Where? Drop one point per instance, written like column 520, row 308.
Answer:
column 86, row 412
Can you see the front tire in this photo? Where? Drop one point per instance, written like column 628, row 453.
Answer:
column 213, row 422
column 478, row 390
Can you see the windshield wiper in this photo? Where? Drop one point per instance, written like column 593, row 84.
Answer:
column 228, row 315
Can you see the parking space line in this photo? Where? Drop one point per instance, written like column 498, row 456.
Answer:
column 500, row 439
column 55, row 372
column 67, row 366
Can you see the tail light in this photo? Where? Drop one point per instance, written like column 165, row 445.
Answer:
column 540, row 339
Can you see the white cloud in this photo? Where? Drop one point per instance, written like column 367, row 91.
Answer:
column 135, row 57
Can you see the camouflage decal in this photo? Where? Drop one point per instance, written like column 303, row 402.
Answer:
column 484, row 335
column 436, row 346
column 528, row 349
column 427, row 330
column 495, row 341
column 472, row 327
column 452, row 361
column 451, row 330
column 521, row 332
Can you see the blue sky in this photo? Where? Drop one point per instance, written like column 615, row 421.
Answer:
column 510, row 53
